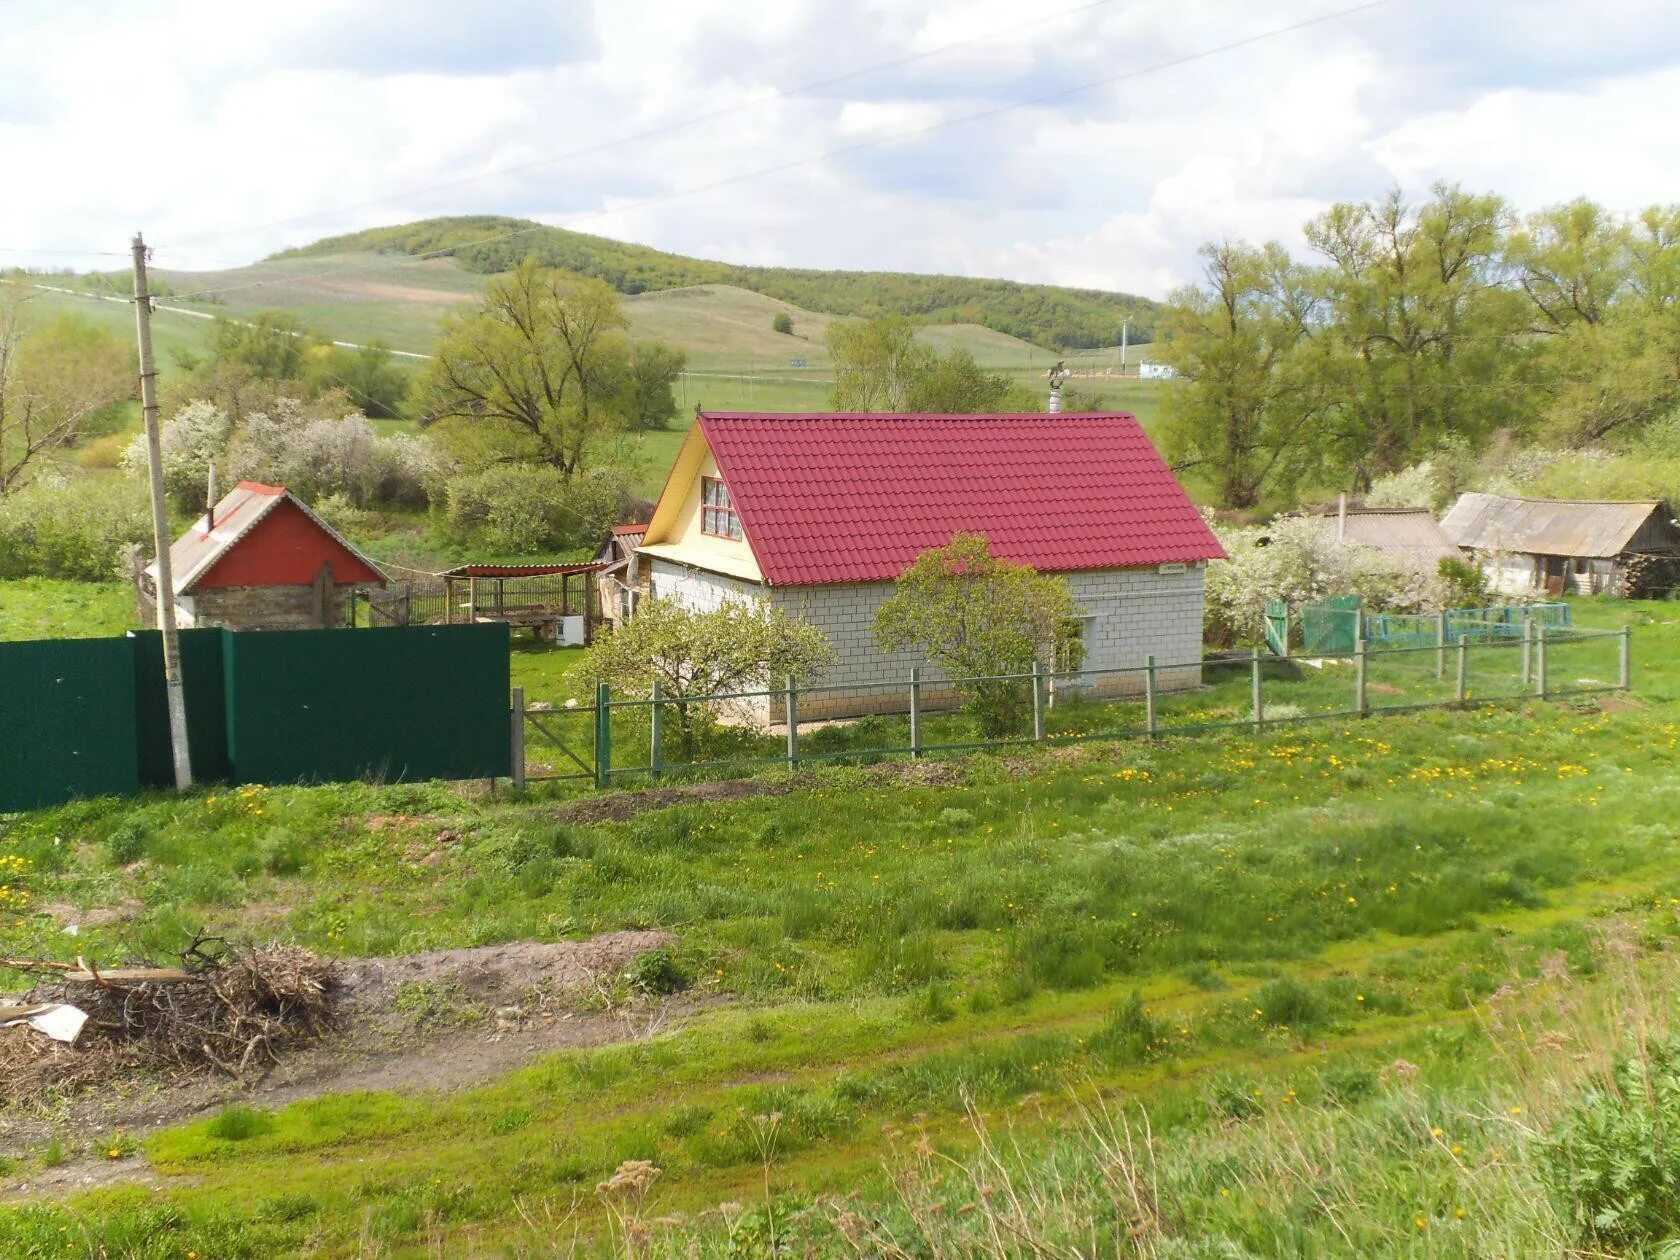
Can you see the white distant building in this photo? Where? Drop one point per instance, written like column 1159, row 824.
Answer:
column 1156, row 372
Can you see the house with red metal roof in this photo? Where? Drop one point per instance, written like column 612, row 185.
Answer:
column 820, row 513
column 261, row 560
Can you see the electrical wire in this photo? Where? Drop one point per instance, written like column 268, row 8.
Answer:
column 826, row 155
column 663, row 129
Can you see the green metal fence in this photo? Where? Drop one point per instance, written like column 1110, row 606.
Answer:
column 88, row 717
column 67, row 721
column 619, row 738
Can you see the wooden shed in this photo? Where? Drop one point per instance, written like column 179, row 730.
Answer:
column 1568, row 546
column 622, row 582
column 261, row 560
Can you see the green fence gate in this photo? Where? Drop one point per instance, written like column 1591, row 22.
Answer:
column 1330, row 627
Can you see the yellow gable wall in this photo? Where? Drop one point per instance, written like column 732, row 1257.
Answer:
column 675, row 534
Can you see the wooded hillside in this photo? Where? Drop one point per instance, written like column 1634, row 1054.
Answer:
column 1046, row 314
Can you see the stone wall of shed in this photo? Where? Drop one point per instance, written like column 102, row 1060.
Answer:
column 1133, row 614
column 266, row 607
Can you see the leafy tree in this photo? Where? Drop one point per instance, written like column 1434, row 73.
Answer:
column 57, row 379
column 532, row 510
column 542, row 371
column 1425, row 337
column 739, row 646
column 876, row 362
column 783, row 323
column 977, row 616
column 654, row 368
column 1250, row 388
column 369, row 374
column 270, row 346
column 955, row 383
column 880, row 366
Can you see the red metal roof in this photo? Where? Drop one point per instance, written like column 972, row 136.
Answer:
column 857, row 497
column 213, row 538
column 630, row 530
column 519, row 570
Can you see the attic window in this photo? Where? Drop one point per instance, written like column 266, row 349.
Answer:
column 717, row 514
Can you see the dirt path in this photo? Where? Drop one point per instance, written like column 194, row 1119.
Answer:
column 432, row 1022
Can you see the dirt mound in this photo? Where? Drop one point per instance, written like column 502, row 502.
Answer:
column 493, row 974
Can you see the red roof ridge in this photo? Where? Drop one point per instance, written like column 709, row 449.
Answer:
column 257, row 487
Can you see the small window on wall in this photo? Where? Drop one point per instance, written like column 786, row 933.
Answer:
column 717, row 514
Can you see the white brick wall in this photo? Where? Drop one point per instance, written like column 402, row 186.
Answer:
column 1134, row 613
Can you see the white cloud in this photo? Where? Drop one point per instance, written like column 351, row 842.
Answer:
column 255, row 116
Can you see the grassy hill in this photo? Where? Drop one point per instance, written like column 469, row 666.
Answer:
column 1047, row 315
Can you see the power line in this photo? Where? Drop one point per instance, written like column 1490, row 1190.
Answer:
column 842, row 151
column 663, row 129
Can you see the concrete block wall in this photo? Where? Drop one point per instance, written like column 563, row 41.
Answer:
column 1134, row 613
column 264, row 607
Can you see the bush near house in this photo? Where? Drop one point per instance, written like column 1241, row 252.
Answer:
column 975, row 615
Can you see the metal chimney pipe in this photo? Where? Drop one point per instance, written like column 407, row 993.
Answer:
column 1341, row 516
column 210, row 505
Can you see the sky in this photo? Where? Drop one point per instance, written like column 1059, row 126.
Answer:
column 818, row 133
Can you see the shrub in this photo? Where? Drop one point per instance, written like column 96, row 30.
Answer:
column 1129, row 1034
column 84, row 529
column 1288, row 1003
column 237, row 1122
column 1297, row 559
column 1463, row 585
column 783, row 323
column 657, row 972
column 128, row 843
column 321, row 456
column 1612, row 1162
column 528, row 509
column 191, row 440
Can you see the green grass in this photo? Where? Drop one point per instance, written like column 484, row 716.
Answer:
column 43, row 608
column 1293, row 911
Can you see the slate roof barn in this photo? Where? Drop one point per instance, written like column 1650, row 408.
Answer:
column 262, row 560
column 1565, row 545
column 820, row 513
column 1408, row 534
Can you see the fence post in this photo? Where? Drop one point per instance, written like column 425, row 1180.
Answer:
column 1624, row 672
column 1254, row 689
column 1149, row 725
column 1441, row 645
column 1527, row 651
column 915, row 711
column 1542, row 682
column 656, row 728
column 792, row 724
column 517, row 759
column 1461, row 687
column 603, row 734
column 1360, row 702
column 1038, row 700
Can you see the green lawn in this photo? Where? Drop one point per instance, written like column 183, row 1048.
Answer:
column 904, row 953
column 41, row 608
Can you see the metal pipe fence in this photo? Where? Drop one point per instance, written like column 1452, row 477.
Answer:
column 922, row 715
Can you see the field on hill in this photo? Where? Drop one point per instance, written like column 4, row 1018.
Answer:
column 1331, row 989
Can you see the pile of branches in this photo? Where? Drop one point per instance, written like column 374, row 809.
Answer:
column 225, row 1010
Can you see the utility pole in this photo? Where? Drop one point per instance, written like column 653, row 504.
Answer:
column 160, row 525
column 1125, row 329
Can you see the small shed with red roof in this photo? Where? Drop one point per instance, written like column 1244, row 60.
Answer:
column 820, row 513
column 260, row 559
